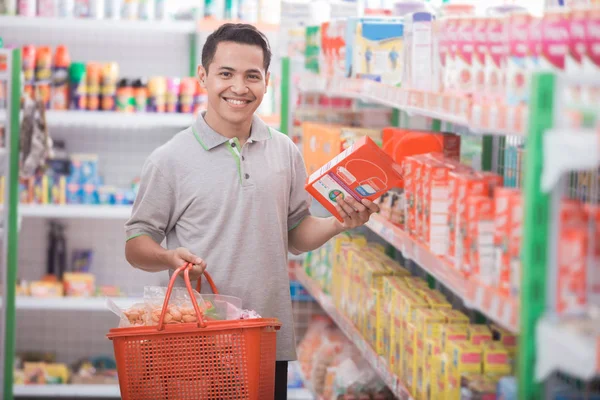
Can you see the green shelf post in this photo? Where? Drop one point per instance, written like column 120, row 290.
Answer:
column 284, row 113
column 193, row 54
column 12, row 185
column 395, row 117
column 536, row 224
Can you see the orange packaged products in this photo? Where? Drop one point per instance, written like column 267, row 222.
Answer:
column 480, row 238
column 435, row 192
column 362, row 171
column 94, row 78
column 59, row 94
column 514, row 244
column 571, row 291
column 43, row 74
column 468, row 185
column 502, row 226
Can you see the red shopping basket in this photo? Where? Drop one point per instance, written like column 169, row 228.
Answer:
column 203, row 360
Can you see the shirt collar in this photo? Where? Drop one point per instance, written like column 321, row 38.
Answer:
column 209, row 138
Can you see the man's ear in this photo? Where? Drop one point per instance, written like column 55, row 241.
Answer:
column 267, row 77
column 202, row 74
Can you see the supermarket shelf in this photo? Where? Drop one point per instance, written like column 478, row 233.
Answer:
column 98, row 26
column 54, row 391
column 2, row 116
column 73, row 303
column 131, row 121
column 452, row 109
column 377, row 362
column 74, row 211
column 573, row 349
column 569, row 150
column 107, row 119
column 209, row 25
column 498, row 308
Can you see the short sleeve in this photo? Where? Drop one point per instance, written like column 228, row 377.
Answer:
column 154, row 206
column 299, row 198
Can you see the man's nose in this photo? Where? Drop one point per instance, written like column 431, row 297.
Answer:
column 239, row 86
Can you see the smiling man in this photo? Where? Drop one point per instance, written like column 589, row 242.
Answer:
column 228, row 194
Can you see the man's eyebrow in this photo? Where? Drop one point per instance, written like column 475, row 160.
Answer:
column 249, row 71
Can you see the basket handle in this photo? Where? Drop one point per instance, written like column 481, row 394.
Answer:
column 186, row 277
column 210, row 281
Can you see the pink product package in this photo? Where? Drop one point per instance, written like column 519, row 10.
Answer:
column 517, row 74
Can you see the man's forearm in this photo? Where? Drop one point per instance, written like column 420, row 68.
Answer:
column 313, row 232
column 144, row 253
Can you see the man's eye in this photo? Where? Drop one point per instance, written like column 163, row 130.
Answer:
column 253, row 76
column 226, row 74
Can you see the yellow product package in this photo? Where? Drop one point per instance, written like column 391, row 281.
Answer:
column 409, row 358
column 507, row 338
column 433, row 349
column 426, row 318
column 400, row 292
column 465, row 358
column 453, row 333
column 455, row 317
column 387, row 312
column 409, row 303
column 479, row 334
column 415, row 283
column 438, row 376
column 435, row 299
column 496, row 359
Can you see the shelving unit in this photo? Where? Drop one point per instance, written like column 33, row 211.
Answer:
column 377, row 363
column 75, row 211
column 456, row 110
column 58, row 391
column 98, row 26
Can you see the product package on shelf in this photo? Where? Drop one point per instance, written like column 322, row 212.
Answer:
column 63, row 84
column 433, row 348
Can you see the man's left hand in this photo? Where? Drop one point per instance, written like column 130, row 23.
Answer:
column 355, row 214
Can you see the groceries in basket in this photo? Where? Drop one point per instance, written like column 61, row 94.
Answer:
column 214, row 307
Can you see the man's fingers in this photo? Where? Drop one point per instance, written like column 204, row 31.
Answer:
column 350, row 211
column 372, row 207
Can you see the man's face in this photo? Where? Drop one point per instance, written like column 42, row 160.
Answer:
column 236, row 81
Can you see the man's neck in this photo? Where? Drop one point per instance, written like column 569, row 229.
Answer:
column 227, row 129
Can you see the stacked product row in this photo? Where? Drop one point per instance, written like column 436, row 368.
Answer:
column 431, row 347
column 475, row 67
column 144, row 10
column 470, row 219
column 64, row 85
column 332, row 367
column 70, row 179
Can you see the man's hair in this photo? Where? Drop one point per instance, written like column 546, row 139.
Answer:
column 237, row 33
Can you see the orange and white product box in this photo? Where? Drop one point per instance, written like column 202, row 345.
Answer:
column 502, row 225
column 571, row 289
column 419, row 171
column 362, row 171
column 480, row 220
column 593, row 214
column 453, row 193
column 493, row 180
column 514, row 245
column 410, row 206
column 436, row 202
column 468, row 185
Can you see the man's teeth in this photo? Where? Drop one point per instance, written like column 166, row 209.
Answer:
column 237, row 102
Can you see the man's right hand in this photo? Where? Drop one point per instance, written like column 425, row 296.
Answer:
column 176, row 258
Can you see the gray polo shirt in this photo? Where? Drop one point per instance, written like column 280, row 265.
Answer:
column 232, row 206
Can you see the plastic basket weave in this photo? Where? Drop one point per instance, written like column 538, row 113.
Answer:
column 204, row 360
